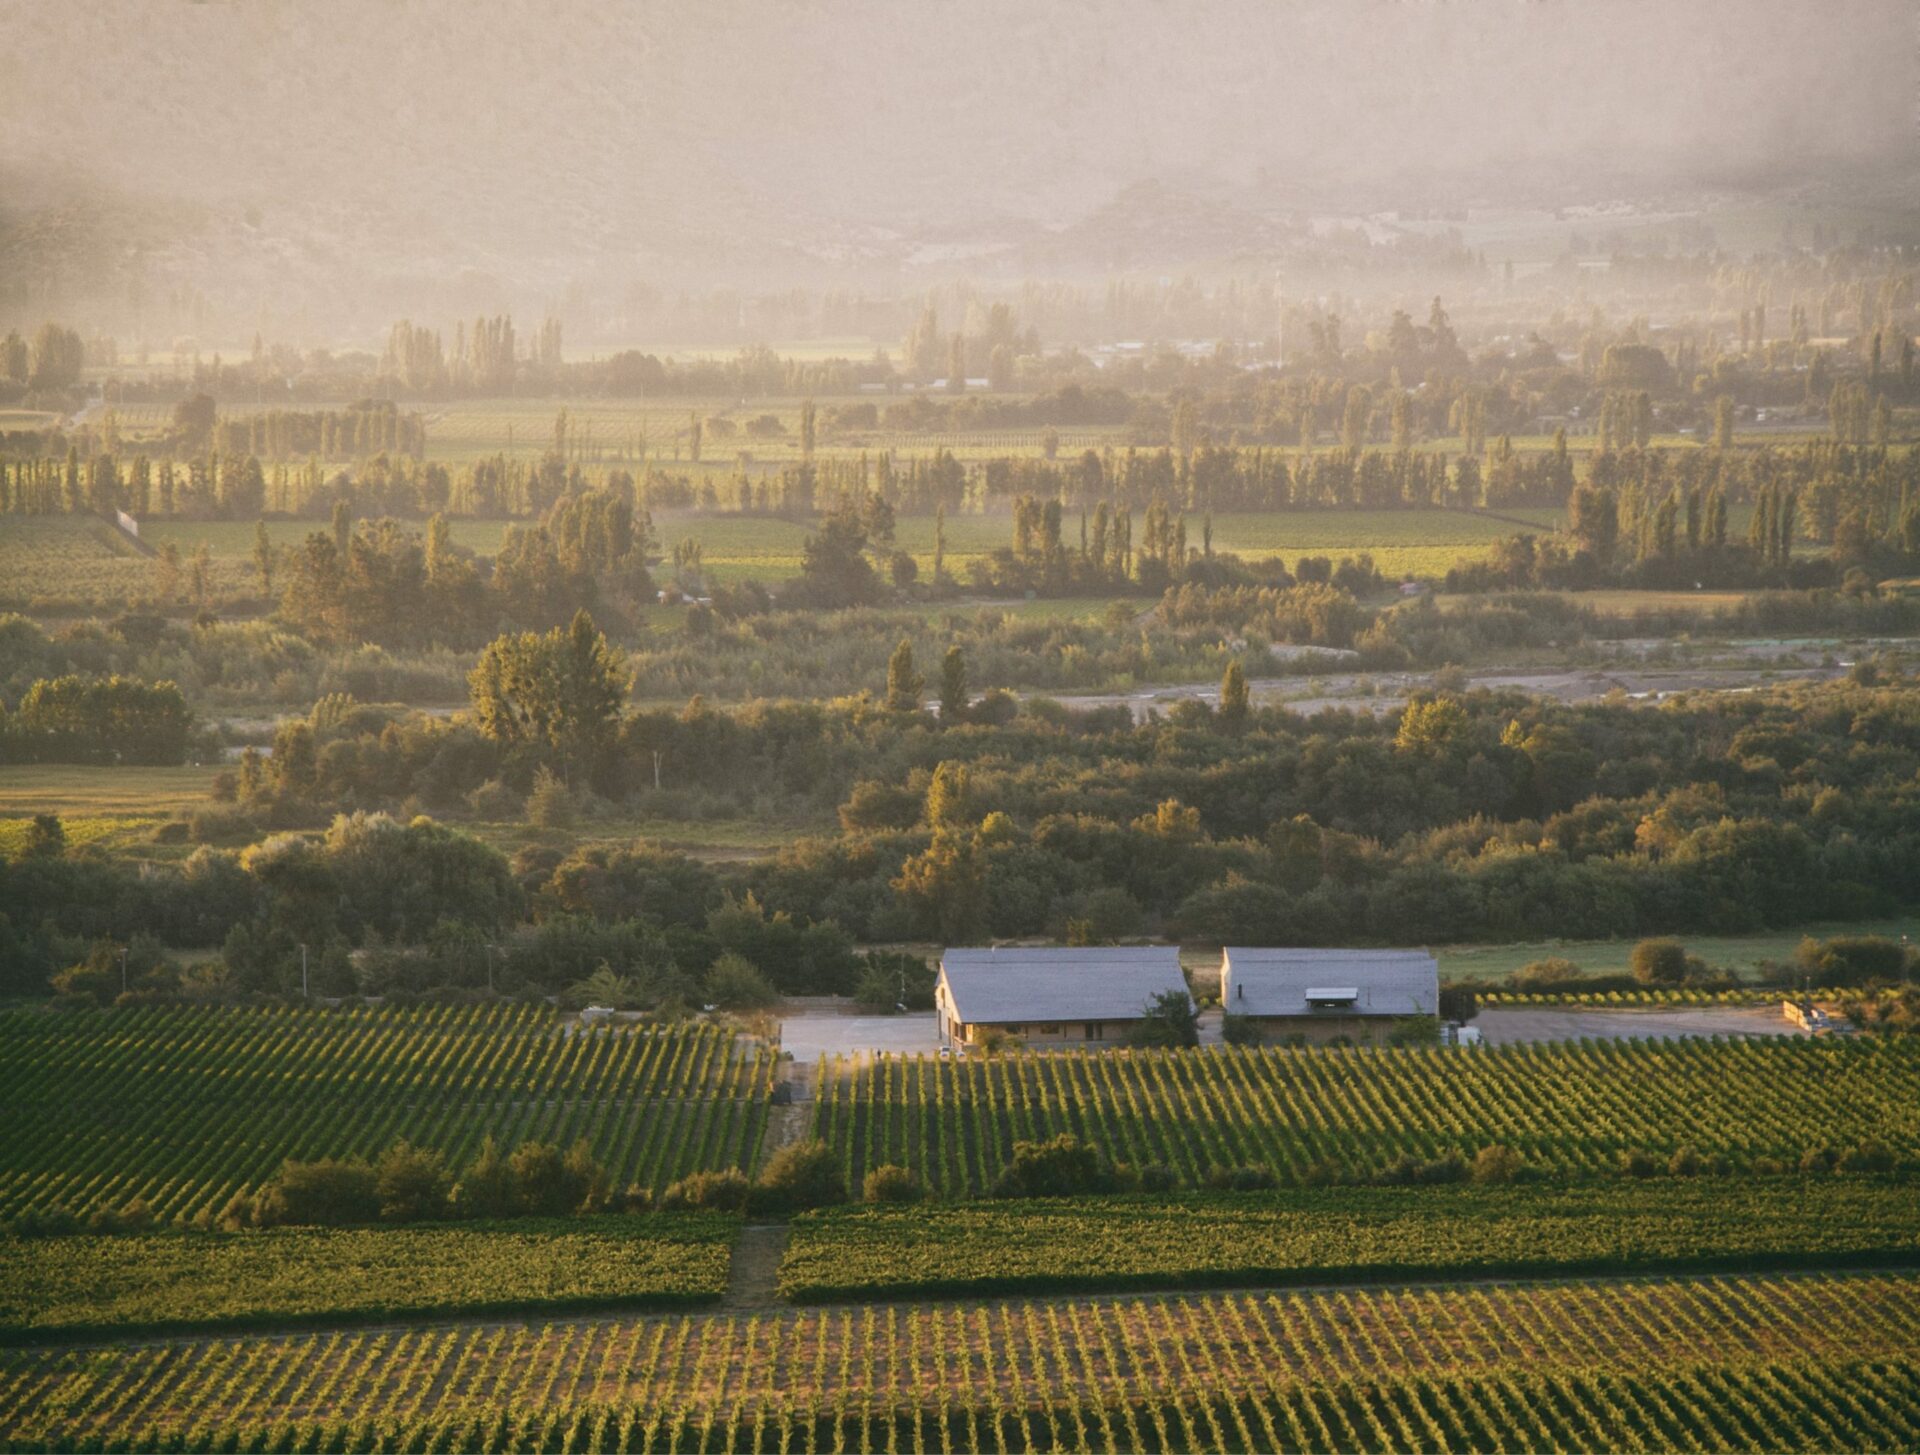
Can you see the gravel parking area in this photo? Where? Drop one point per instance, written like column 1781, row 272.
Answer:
column 811, row 1035
column 1505, row 1027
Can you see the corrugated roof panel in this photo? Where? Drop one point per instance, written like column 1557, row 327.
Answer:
column 1278, row 982
column 1022, row 985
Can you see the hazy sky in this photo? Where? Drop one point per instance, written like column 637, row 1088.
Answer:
column 878, row 113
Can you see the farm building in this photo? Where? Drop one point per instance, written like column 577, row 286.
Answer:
column 1051, row 996
column 1326, row 993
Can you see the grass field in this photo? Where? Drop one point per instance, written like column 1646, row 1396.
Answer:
column 87, row 792
column 114, row 809
column 1742, row 954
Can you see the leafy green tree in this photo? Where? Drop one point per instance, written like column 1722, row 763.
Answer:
column 734, row 984
column 834, row 569
column 561, row 691
column 800, row 1175
column 412, row 1184
column 892, row 1183
column 1170, row 1020
column 1431, row 726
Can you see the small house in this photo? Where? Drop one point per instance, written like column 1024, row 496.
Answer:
column 1321, row 994
column 1052, row 996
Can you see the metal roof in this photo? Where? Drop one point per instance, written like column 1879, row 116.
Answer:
column 1018, row 985
column 1270, row 982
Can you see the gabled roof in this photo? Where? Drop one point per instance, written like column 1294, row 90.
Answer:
column 1282, row 982
column 1018, row 985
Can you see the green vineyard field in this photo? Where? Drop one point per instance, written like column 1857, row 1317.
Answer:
column 185, row 1106
column 1320, row 1235
column 99, row 1287
column 1568, row 1108
column 1716, row 1364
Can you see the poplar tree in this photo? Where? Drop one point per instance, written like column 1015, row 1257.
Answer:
column 904, row 685
column 954, row 697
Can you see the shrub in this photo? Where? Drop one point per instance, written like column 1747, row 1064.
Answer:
column 551, row 804
column 890, row 980
column 487, row 1191
column 44, row 1222
column 1251, row 1178
column 1635, row 1162
column 1818, row 1159
column 635, row 1199
column 548, row 1183
column 330, row 1193
column 1170, row 1020
column 1867, row 1157
column 1156, row 1177
column 734, row 984
column 1450, row 1168
column 1496, row 1164
column 1415, row 1030
column 1062, row 1167
column 892, row 1183
column 707, row 1192
column 1852, row 960
column 803, row 1175
column 1685, row 1162
column 135, row 1216
column 494, row 801
column 1664, row 962
column 411, row 1183
column 586, row 1180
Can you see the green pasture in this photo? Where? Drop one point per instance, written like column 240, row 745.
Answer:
column 112, row 809
column 1742, row 954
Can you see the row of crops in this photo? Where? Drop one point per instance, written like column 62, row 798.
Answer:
column 183, row 1106
column 1566, row 1107
column 1327, row 1234
column 114, row 1287
column 1701, row 1364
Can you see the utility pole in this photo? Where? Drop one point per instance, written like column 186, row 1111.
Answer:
column 123, row 969
column 304, row 993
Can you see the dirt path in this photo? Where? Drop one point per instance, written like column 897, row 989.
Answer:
column 753, row 1277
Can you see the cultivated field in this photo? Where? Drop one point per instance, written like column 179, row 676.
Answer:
column 1783, row 1363
column 1344, row 1234
column 184, row 1107
column 102, row 1287
column 1571, row 1109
